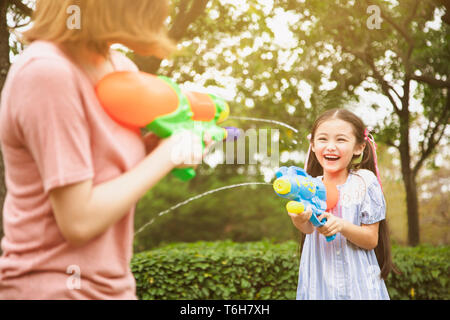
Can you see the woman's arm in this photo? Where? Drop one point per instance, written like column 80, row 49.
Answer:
column 364, row 236
column 84, row 211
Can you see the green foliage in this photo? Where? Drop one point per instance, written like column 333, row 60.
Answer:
column 247, row 213
column 217, row 270
column 265, row 270
column 425, row 273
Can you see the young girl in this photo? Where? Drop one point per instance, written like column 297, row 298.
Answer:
column 355, row 264
column 74, row 175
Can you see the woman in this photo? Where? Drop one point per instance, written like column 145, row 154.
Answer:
column 74, row 175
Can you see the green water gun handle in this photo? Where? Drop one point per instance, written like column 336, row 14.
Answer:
column 183, row 119
column 184, row 174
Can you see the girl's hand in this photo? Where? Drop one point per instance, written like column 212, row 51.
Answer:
column 332, row 226
column 301, row 218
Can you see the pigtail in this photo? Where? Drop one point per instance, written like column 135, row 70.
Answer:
column 373, row 147
column 383, row 251
column 368, row 158
column 369, row 161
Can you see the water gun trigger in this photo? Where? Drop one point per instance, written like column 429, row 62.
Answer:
column 320, row 223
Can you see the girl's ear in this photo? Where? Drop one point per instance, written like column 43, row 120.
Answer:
column 359, row 149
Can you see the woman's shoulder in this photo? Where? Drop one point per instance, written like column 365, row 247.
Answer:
column 39, row 60
column 44, row 50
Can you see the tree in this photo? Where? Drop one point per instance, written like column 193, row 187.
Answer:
column 19, row 11
column 4, row 67
column 184, row 14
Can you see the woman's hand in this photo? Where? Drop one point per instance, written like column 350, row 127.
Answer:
column 332, row 226
column 151, row 141
column 185, row 148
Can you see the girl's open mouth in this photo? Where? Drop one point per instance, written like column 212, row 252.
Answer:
column 331, row 158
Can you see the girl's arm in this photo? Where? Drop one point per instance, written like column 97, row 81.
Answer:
column 84, row 211
column 364, row 236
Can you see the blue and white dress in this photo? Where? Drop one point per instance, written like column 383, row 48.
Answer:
column 340, row 269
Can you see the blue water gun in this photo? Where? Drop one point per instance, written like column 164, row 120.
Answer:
column 295, row 184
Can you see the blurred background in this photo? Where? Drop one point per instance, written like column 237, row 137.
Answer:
column 288, row 61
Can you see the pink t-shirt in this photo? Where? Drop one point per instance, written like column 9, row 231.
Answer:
column 54, row 133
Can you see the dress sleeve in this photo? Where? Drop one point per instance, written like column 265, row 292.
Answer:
column 51, row 120
column 373, row 207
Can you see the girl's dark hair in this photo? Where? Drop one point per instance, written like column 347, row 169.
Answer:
column 383, row 249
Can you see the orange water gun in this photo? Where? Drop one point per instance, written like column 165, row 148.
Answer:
column 139, row 99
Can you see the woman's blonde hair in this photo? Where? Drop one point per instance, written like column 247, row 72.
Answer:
column 137, row 24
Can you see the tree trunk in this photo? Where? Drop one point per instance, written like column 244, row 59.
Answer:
column 4, row 67
column 412, row 206
column 4, row 43
column 409, row 180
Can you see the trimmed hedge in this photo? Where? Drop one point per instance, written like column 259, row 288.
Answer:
column 425, row 273
column 264, row 270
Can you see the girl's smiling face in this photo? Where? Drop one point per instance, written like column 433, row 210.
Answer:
column 335, row 145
